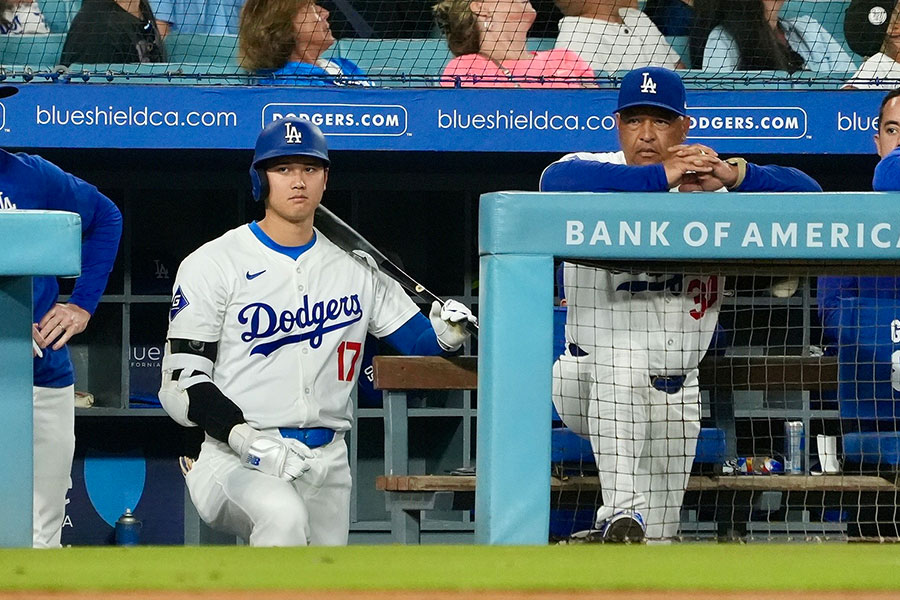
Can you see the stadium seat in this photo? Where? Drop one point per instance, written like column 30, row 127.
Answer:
column 568, row 447
column 36, row 51
column 873, row 448
column 58, row 14
column 202, row 48
column 164, row 73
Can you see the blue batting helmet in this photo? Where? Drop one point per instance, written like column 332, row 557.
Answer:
column 289, row 136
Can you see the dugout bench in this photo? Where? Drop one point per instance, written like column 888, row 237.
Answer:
column 408, row 495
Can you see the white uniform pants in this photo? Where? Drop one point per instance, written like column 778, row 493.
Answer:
column 266, row 511
column 54, row 447
column 644, row 440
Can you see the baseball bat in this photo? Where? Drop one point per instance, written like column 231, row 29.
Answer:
column 348, row 239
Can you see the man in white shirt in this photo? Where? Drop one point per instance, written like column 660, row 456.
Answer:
column 613, row 35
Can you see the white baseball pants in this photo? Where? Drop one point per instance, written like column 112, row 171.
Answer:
column 54, row 447
column 644, row 440
column 267, row 511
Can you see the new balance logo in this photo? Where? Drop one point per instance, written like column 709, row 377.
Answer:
column 292, row 134
column 6, row 203
column 648, row 86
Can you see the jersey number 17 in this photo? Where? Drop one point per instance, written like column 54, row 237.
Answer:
column 348, row 353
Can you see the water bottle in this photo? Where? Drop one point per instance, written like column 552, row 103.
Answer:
column 128, row 529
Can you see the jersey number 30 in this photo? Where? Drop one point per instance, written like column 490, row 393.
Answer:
column 348, row 353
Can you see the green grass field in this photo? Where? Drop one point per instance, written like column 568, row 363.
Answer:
column 676, row 567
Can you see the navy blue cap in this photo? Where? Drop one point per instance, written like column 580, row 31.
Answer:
column 653, row 86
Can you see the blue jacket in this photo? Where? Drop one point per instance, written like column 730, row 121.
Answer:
column 299, row 73
column 30, row 182
column 578, row 175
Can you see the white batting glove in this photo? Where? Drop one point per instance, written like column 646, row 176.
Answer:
column 287, row 459
column 449, row 322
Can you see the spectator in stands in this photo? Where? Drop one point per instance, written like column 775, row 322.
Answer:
column 488, row 40
column 872, row 29
column 613, row 35
column 284, row 40
column 749, row 35
column 215, row 17
column 21, row 16
column 113, row 31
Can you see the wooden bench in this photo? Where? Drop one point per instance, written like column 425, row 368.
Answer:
column 408, row 495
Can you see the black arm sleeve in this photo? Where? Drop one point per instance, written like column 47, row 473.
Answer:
column 209, row 408
column 213, row 411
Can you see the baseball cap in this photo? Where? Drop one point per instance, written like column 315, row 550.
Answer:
column 653, row 86
column 7, row 90
column 866, row 23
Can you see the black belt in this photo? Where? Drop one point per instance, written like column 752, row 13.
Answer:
column 575, row 350
column 670, row 385
column 313, row 437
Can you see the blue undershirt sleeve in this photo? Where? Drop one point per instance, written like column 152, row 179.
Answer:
column 775, row 178
column 416, row 337
column 578, row 175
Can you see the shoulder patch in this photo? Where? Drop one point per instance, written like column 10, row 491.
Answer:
column 179, row 303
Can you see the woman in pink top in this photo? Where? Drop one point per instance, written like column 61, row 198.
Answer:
column 488, row 37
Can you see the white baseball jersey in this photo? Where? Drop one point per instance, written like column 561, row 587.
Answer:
column 663, row 322
column 290, row 332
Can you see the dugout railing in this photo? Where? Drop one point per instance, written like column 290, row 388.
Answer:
column 56, row 252
column 522, row 234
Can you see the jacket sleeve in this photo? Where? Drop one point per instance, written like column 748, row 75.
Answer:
column 775, row 178
column 829, row 291
column 887, row 173
column 580, row 175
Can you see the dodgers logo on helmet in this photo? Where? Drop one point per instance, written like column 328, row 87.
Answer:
column 289, row 136
column 292, row 135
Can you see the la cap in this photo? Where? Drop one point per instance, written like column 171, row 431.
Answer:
column 653, row 86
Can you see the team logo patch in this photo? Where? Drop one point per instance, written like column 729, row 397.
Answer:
column 179, row 303
column 648, row 86
column 292, row 134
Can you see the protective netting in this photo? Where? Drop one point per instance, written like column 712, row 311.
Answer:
column 730, row 404
column 491, row 43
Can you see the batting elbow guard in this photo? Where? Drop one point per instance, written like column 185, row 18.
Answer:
column 175, row 401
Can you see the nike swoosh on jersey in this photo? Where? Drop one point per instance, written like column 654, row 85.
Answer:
column 254, row 275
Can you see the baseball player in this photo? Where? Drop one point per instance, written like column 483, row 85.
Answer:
column 266, row 332
column 31, row 183
column 831, row 289
column 627, row 380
